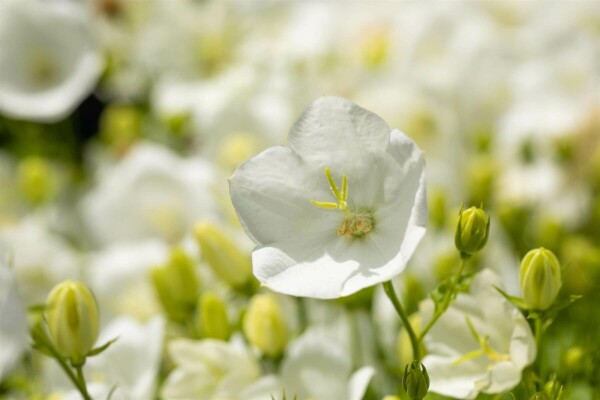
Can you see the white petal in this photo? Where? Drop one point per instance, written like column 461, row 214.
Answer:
column 316, row 366
column 272, row 195
column 501, row 377
column 13, row 322
column 359, row 382
column 454, row 380
column 333, row 130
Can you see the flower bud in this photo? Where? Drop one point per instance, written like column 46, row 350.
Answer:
column 73, row 321
column 391, row 398
column 540, row 278
column 264, row 325
column 472, row 231
column 222, row 255
column 36, row 180
column 213, row 317
column 177, row 285
column 416, row 380
column 540, row 396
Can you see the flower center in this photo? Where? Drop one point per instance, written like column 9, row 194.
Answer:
column 485, row 349
column 357, row 223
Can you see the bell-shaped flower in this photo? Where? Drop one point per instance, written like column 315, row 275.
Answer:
column 481, row 344
column 342, row 208
column 48, row 57
column 211, row 369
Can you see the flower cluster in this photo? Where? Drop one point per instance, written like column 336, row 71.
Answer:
column 299, row 200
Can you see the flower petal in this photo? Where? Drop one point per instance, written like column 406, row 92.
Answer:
column 333, row 130
column 359, row 382
column 272, row 196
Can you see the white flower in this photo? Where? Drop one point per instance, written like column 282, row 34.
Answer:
column 48, row 58
column 211, row 370
column 318, row 367
column 151, row 193
column 41, row 258
column 13, row 322
column 318, row 244
column 119, row 276
column 481, row 344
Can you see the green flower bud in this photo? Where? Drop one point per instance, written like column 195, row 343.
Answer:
column 540, row 396
column 222, row 255
column 264, row 325
column 177, row 285
column 416, row 380
column 540, row 278
column 36, row 180
column 73, row 321
column 120, row 126
column 213, row 317
column 472, row 231
column 391, row 398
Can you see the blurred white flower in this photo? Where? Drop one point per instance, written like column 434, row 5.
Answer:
column 480, row 345
column 130, row 364
column 48, row 58
column 319, row 367
column 212, row 370
column 41, row 258
column 119, row 276
column 151, row 193
column 311, row 246
column 14, row 336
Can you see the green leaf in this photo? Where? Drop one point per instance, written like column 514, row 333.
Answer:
column 517, row 301
column 98, row 350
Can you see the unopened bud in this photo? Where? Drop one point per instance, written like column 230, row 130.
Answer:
column 73, row 321
column 540, row 278
column 177, row 285
column 213, row 317
column 416, row 380
column 391, row 398
column 264, row 325
column 222, row 255
column 472, row 231
column 36, row 180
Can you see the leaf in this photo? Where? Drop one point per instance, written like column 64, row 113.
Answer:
column 517, row 301
column 98, row 350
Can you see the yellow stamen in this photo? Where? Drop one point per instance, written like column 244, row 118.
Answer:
column 484, row 350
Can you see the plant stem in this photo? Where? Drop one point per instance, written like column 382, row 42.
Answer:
column 81, row 379
column 447, row 299
column 391, row 294
column 539, row 331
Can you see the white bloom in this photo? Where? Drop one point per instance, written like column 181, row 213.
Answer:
column 311, row 246
column 318, row 367
column 48, row 58
column 13, row 322
column 211, row 370
column 119, row 276
column 150, row 193
column 481, row 344
column 41, row 258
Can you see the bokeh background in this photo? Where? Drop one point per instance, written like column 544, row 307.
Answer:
column 120, row 121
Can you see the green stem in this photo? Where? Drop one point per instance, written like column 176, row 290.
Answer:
column 539, row 331
column 447, row 299
column 391, row 294
column 81, row 379
column 77, row 381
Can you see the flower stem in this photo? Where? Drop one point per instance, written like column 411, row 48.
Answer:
column 83, row 386
column 447, row 299
column 391, row 294
column 539, row 331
